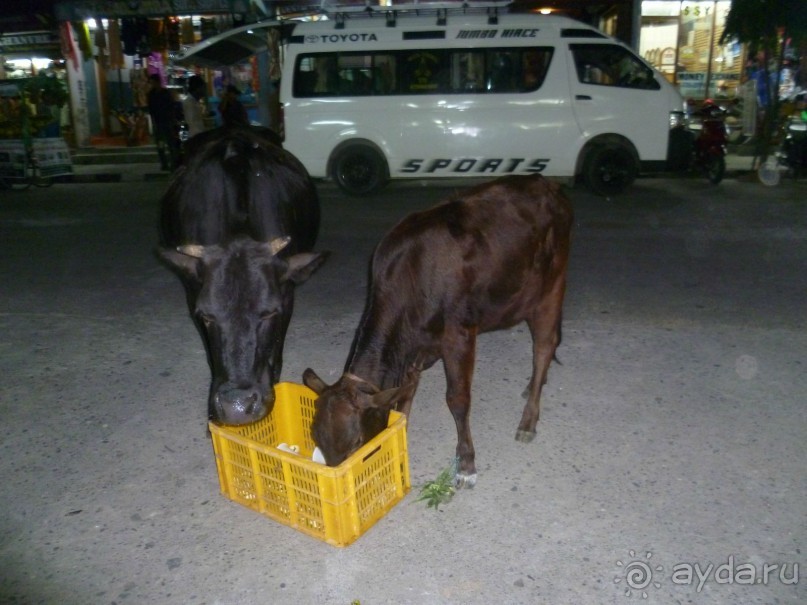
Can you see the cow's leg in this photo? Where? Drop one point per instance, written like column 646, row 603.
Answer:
column 459, row 351
column 544, row 326
column 411, row 376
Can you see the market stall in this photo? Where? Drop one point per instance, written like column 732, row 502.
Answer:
column 32, row 150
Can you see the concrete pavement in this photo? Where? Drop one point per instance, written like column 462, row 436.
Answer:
column 669, row 466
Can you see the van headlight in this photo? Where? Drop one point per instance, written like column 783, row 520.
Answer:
column 677, row 118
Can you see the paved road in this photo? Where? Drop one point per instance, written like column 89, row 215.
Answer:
column 672, row 438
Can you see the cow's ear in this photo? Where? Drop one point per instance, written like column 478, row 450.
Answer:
column 179, row 260
column 302, row 266
column 314, row 382
column 392, row 398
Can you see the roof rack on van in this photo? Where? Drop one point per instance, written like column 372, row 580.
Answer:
column 340, row 12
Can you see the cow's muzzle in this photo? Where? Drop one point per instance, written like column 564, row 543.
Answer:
column 241, row 406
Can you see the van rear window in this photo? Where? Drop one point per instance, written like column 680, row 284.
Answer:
column 415, row 72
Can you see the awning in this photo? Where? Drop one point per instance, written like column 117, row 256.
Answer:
column 230, row 47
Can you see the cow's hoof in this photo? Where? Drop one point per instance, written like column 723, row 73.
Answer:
column 525, row 436
column 464, row 481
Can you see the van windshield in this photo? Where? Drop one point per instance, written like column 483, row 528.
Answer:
column 421, row 71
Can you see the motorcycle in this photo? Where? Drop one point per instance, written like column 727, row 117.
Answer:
column 792, row 153
column 700, row 145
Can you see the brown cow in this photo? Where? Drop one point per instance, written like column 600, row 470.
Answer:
column 485, row 260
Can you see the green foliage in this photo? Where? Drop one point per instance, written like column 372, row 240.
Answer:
column 752, row 21
column 440, row 491
column 46, row 89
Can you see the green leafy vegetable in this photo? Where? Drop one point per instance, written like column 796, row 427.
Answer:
column 441, row 490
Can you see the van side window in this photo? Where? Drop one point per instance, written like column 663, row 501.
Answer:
column 425, row 71
column 612, row 65
column 534, row 65
column 344, row 74
column 421, row 71
column 468, row 71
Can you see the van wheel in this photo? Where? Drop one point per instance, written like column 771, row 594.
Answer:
column 609, row 170
column 359, row 170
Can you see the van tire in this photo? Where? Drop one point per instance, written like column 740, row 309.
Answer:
column 609, row 170
column 359, row 170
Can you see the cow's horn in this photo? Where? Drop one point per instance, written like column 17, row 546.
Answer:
column 277, row 244
column 194, row 250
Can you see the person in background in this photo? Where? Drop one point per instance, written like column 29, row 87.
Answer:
column 192, row 105
column 233, row 113
column 163, row 120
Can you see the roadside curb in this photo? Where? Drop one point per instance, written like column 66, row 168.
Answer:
column 117, row 177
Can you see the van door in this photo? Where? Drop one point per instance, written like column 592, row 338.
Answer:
column 614, row 91
column 513, row 114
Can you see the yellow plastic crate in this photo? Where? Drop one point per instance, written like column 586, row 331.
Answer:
column 333, row 504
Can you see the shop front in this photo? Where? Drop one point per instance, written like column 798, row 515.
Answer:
column 112, row 48
column 34, row 115
column 681, row 39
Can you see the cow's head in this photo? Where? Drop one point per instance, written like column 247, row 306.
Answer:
column 241, row 296
column 350, row 413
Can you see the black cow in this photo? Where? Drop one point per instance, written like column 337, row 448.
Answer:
column 238, row 223
column 485, row 260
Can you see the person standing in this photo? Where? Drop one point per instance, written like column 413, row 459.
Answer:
column 233, row 113
column 192, row 105
column 163, row 121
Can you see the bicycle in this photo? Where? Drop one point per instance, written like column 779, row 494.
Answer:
column 24, row 171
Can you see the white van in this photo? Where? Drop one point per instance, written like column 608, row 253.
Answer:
column 366, row 99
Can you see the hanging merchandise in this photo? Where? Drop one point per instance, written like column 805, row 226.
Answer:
column 134, row 34
column 208, row 27
column 156, row 29
column 274, row 54
column 143, row 46
column 255, row 80
column 187, row 35
column 172, row 30
column 68, row 46
column 155, row 65
column 100, row 44
column 114, row 44
column 129, row 35
column 140, row 87
column 83, row 37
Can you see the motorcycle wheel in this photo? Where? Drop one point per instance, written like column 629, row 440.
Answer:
column 769, row 173
column 715, row 169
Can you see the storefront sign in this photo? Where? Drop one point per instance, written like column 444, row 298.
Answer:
column 691, row 84
column 27, row 42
